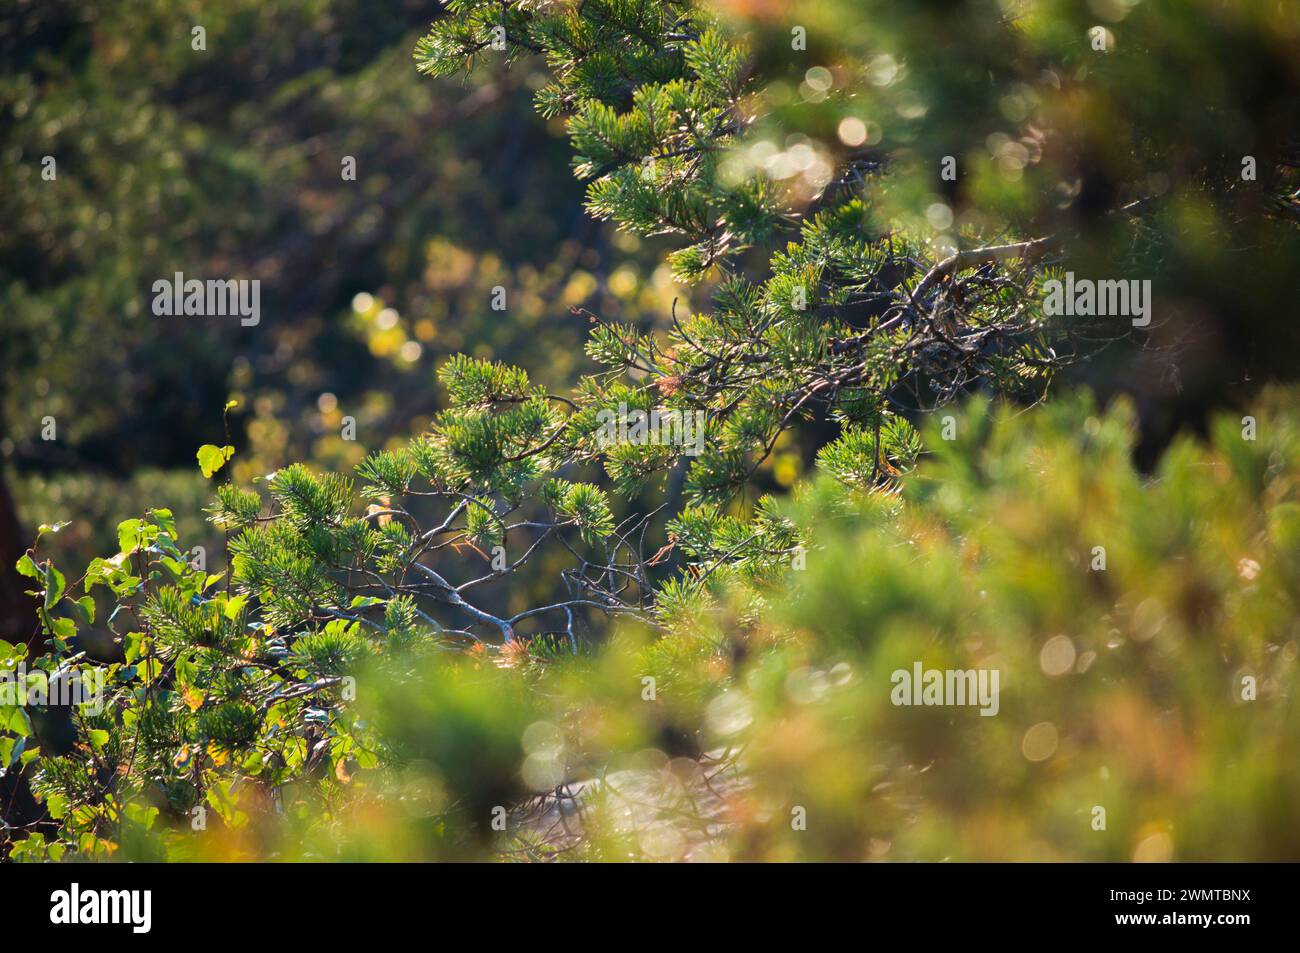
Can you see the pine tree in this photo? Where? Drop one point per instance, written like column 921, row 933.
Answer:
column 855, row 320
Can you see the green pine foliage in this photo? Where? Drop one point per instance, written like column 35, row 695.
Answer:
column 833, row 325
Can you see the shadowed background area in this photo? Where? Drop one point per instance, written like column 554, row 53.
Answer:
column 228, row 162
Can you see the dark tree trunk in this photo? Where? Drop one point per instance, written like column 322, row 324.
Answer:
column 17, row 610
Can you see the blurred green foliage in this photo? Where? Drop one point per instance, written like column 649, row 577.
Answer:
column 1160, row 688
column 1156, row 138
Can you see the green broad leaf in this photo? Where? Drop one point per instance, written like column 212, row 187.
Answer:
column 28, row 568
column 14, row 719
column 359, row 602
column 30, row 846
column 164, row 519
column 175, row 567
column 98, row 573
column 128, row 536
column 97, row 737
column 87, row 606
column 50, row 528
column 133, row 644
column 141, row 814
column 62, row 629
column 221, row 798
column 57, row 805
column 233, row 607
column 212, row 458
column 186, row 669
column 17, row 751
column 126, row 586
column 54, row 586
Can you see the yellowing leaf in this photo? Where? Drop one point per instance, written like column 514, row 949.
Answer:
column 192, row 697
column 213, row 458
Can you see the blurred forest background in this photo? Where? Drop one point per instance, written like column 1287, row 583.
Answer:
column 228, row 162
